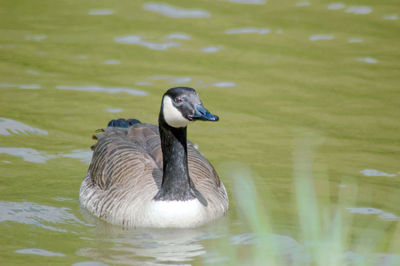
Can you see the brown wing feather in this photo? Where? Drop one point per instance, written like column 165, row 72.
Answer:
column 207, row 181
column 114, row 157
column 120, row 171
column 126, row 172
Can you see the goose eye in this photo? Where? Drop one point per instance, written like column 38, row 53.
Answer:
column 178, row 100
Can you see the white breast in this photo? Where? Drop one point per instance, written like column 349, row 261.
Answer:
column 174, row 213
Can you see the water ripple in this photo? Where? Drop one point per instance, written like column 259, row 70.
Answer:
column 28, row 154
column 176, row 12
column 224, row 84
column 359, row 10
column 248, row 2
column 387, row 216
column 114, row 110
column 89, row 263
column 84, row 156
column 211, row 49
column 303, row 3
column 159, row 247
column 181, row 80
column 368, row 60
column 37, row 38
column 390, row 17
column 355, row 40
column 112, row 62
column 9, row 127
column 21, row 86
column 335, row 6
column 143, row 83
column 173, row 80
column 320, row 37
column 40, row 252
column 179, row 36
column 135, row 39
column 248, row 31
column 36, row 214
column 134, row 92
column 373, row 172
column 34, row 156
column 32, row 72
column 101, row 12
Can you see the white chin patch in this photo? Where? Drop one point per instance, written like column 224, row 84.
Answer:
column 173, row 116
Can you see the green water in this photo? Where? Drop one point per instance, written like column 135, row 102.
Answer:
column 303, row 71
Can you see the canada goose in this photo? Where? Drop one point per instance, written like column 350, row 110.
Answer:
column 144, row 176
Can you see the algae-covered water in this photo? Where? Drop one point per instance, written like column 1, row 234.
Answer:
column 323, row 75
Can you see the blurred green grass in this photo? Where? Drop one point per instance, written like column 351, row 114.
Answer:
column 326, row 232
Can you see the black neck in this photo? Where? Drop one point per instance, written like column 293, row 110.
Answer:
column 176, row 183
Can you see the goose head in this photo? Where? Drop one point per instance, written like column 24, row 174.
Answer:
column 182, row 105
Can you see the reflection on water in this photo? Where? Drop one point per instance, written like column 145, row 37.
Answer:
column 390, row 17
column 134, row 39
column 89, row 263
column 112, row 62
column 295, row 253
column 144, row 83
column 81, row 57
column 38, row 215
column 172, row 80
column 62, row 199
column 146, row 246
column 320, row 37
column 36, row 37
column 224, row 84
column 30, row 86
column 211, row 49
column 381, row 214
column 84, row 156
column 286, row 246
column 335, row 6
column 28, row 154
column 174, row 247
column 101, row 12
column 303, row 3
column 34, row 156
column 248, row 31
column 180, row 80
column 176, row 12
column 353, row 258
column 39, row 252
column 368, row 60
column 373, row 172
column 179, row 36
column 249, row 2
column 9, row 127
column 185, row 80
column 355, row 40
column 32, row 72
column 134, row 92
column 359, row 10
column 21, row 86
column 114, row 110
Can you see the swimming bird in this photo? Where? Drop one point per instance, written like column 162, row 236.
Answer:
column 142, row 175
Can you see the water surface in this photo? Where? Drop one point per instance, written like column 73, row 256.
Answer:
column 275, row 72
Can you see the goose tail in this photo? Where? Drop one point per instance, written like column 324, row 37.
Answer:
column 121, row 123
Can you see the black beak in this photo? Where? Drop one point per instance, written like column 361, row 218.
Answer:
column 201, row 113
